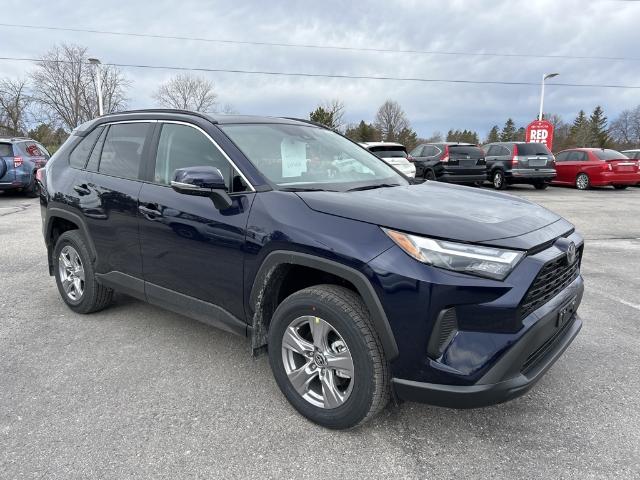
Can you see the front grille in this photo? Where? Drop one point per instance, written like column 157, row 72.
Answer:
column 554, row 277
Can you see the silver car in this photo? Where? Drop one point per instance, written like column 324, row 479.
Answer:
column 395, row 154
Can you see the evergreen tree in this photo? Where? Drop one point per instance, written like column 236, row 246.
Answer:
column 508, row 131
column 599, row 133
column 494, row 134
column 324, row 117
column 450, row 135
column 408, row 138
column 580, row 131
column 363, row 132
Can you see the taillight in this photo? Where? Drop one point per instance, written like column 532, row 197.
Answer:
column 515, row 159
column 445, row 155
column 17, row 161
column 410, row 158
column 606, row 166
column 40, row 174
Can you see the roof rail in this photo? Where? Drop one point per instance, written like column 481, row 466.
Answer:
column 167, row 110
column 310, row 122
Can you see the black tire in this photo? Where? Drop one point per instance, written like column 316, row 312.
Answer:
column 583, row 182
column 429, row 175
column 33, row 189
column 541, row 185
column 498, row 180
column 95, row 296
column 620, row 187
column 348, row 315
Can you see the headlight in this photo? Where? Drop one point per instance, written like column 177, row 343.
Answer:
column 460, row 257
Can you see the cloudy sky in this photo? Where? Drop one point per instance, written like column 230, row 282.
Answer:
column 582, row 28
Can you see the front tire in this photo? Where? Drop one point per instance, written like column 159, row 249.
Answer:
column 75, row 275
column 498, row 180
column 327, row 358
column 582, row 181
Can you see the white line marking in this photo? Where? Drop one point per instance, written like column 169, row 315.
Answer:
column 617, row 299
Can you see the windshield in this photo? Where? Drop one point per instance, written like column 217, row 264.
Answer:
column 607, row 154
column 388, row 152
column 308, row 157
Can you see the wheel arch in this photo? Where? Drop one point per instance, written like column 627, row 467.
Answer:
column 59, row 221
column 266, row 294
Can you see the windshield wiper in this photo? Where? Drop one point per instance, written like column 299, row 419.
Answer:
column 305, row 189
column 371, row 187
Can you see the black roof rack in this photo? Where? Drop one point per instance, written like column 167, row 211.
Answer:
column 304, row 120
column 167, row 110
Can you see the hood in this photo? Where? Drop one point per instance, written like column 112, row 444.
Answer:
column 438, row 210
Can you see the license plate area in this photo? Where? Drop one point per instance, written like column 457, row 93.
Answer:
column 566, row 312
column 537, row 162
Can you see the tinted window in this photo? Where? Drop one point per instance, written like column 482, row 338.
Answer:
column 418, row 151
column 459, row 151
column 431, row 151
column 6, row 150
column 608, row 154
column 493, row 150
column 94, row 159
column 576, row 156
column 33, row 149
column 181, row 146
column 122, row 150
column 562, row 156
column 533, row 149
column 387, row 151
column 80, row 154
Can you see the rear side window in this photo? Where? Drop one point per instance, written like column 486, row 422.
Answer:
column 33, row 149
column 94, row 159
column 562, row 156
column 122, row 149
column 80, row 154
column 608, row 154
column 532, row 149
column 418, row 151
column 387, row 152
column 465, row 151
column 6, row 150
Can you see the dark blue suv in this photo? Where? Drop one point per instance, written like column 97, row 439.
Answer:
column 361, row 285
column 20, row 159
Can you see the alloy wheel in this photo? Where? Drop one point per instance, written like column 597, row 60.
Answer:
column 317, row 362
column 582, row 182
column 498, row 180
column 71, row 272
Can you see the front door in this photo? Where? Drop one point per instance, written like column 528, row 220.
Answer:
column 189, row 247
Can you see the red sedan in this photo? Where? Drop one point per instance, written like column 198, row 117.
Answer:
column 596, row 167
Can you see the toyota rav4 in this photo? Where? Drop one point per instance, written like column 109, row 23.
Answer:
column 314, row 249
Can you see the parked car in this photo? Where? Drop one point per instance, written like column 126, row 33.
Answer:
column 595, row 167
column 510, row 163
column 633, row 154
column 394, row 154
column 20, row 158
column 451, row 162
column 361, row 285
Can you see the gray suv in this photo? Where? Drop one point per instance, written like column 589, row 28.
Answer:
column 20, row 158
column 509, row 163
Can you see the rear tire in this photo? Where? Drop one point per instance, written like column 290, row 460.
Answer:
column 429, row 175
column 72, row 265
column 620, row 187
column 498, row 180
column 582, row 181
column 541, row 185
column 33, row 189
column 331, row 397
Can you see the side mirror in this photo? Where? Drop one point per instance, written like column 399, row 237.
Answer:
column 202, row 182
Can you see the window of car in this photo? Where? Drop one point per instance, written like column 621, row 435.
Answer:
column 493, row 150
column 576, row 156
column 388, row 151
column 122, row 150
column 94, row 158
column 418, row 151
column 33, row 149
column 608, row 154
column 431, row 151
column 182, row 146
column 562, row 156
column 80, row 154
column 533, row 148
column 6, row 150
column 465, row 152
column 296, row 156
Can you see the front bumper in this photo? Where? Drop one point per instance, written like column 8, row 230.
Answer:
column 485, row 394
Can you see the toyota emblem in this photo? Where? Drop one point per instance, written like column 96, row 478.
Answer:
column 571, row 253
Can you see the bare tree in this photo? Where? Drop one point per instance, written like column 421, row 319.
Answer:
column 391, row 120
column 187, row 92
column 335, row 108
column 65, row 88
column 14, row 104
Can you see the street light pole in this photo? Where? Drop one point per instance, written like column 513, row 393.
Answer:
column 96, row 63
column 544, row 77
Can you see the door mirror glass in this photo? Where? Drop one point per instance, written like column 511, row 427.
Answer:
column 202, row 182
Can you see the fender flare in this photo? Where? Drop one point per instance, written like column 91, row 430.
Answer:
column 358, row 279
column 54, row 212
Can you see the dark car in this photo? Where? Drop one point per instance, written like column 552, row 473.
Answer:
column 510, row 163
column 451, row 162
column 293, row 236
column 20, row 159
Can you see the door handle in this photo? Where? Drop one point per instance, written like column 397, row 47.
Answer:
column 150, row 212
column 82, row 189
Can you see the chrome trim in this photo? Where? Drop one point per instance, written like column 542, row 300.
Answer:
column 224, row 154
column 188, row 186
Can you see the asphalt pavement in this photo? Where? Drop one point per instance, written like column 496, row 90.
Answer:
column 138, row 392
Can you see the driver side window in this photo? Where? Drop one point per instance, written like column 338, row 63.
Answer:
column 182, row 146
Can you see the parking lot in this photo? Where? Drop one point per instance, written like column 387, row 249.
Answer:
column 135, row 391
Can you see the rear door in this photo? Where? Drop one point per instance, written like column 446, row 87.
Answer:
column 563, row 173
column 109, row 192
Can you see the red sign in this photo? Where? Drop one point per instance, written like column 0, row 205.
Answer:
column 540, row 131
